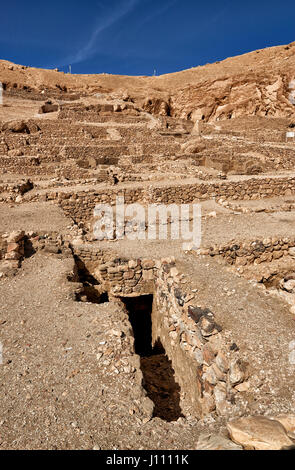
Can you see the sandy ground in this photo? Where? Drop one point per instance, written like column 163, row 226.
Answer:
column 33, row 217
column 221, row 230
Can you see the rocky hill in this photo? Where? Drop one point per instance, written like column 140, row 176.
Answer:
column 260, row 83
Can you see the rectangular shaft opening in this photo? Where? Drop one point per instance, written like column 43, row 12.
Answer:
column 158, row 374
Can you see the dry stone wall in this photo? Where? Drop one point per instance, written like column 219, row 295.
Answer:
column 252, row 252
column 80, row 206
column 207, row 366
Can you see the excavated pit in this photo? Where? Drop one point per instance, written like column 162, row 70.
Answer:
column 92, row 291
column 158, row 374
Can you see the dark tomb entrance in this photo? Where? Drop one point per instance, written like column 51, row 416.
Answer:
column 158, row 374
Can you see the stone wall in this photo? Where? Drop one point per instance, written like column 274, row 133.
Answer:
column 207, row 362
column 251, row 252
column 12, row 250
column 207, row 367
column 80, row 206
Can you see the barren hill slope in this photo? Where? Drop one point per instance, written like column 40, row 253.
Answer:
column 258, row 83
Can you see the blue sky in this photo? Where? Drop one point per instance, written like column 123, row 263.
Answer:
column 134, row 37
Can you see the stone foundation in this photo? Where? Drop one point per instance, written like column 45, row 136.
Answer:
column 252, row 252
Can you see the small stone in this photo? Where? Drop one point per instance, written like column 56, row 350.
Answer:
column 208, row 326
column 195, row 313
column 16, row 236
column 237, row 372
column 12, row 247
column 210, row 376
column 208, row 354
column 13, row 255
column 222, row 362
column 244, row 387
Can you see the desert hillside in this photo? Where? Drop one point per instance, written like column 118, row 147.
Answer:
column 258, row 83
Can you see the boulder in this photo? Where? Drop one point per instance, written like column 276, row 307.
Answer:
column 48, row 107
column 259, row 433
column 16, row 126
column 288, row 421
column 156, row 106
column 216, row 442
column 289, row 286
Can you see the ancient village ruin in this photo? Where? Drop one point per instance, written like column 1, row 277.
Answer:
column 139, row 344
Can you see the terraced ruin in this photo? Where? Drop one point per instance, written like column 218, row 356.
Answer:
column 139, row 344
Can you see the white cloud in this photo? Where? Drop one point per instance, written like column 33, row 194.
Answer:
column 103, row 23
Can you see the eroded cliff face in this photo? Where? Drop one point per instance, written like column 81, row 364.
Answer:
column 260, row 83
column 231, row 97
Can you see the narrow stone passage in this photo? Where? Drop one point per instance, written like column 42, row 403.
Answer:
column 158, row 374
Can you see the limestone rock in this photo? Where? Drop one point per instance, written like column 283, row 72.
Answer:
column 288, row 421
column 216, row 442
column 48, row 107
column 237, row 372
column 259, row 433
column 16, row 236
column 156, row 106
column 289, row 286
column 222, row 362
column 16, row 126
column 208, row 326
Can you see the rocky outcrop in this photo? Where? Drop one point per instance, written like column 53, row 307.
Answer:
column 16, row 126
column 156, row 106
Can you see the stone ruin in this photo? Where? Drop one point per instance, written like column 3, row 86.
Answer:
column 209, row 332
